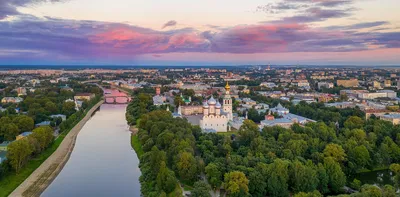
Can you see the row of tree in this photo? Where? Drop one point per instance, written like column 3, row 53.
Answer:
column 313, row 160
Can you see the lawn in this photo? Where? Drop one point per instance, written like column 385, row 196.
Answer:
column 135, row 143
column 13, row 180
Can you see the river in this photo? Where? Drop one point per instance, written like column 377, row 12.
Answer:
column 103, row 162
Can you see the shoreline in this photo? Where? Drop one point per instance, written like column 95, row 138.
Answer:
column 44, row 175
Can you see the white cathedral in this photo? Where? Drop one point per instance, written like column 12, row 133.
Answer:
column 216, row 117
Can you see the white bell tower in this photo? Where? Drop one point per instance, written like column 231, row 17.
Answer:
column 227, row 103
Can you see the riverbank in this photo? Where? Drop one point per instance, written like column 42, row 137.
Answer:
column 42, row 177
column 136, row 145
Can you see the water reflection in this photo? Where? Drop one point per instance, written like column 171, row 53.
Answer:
column 379, row 178
column 102, row 162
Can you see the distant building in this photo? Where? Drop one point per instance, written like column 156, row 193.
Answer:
column 216, row 116
column 44, row 123
column 393, row 118
column 268, row 84
column 286, row 121
column 387, row 83
column 12, row 100
column 62, row 116
column 376, row 85
column 348, row 83
column 24, row 134
column 84, row 96
column 378, row 94
column 158, row 99
column 188, row 110
column 325, row 85
column 4, row 145
column 21, row 91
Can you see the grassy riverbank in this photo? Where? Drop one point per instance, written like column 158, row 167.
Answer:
column 12, row 180
column 135, row 143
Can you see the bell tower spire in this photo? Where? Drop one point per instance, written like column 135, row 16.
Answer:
column 227, row 101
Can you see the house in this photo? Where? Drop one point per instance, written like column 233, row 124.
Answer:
column 3, row 146
column 21, row 91
column 62, row 116
column 24, row 134
column 393, row 118
column 44, row 123
column 12, row 100
column 84, row 96
column 286, row 120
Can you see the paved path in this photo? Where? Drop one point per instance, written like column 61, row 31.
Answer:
column 42, row 177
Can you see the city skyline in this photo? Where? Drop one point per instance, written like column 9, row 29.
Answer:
column 176, row 32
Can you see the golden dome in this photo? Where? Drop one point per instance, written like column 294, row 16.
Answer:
column 227, row 87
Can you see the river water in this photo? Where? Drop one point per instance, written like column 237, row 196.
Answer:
column 103, row 162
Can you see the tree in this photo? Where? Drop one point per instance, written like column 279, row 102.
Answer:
column 303, row 178
column 51, row 107
column 201, row 189
column 214, row 175
column 371, row 191
column 18, row 153
column 337, row 179
column 236, row 183
column 68, row 108
column 24, row 123
column 395, row 168
column 10, row 131
column 166, row 180
column 43, row 135
column 360, row 156
column 356, row 184
column 187, row 168
column 310, row 194
column 354, row 122
column 336, row 152
column 278, row 178
column 248, row 131
column 257, row 184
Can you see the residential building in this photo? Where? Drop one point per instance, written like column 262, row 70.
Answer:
column 12, row 100
column 24, row 134
column 348, row 83
column 84, row 96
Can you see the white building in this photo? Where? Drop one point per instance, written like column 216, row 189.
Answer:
column 268, row 84
column 215, row 116
column 325, row 85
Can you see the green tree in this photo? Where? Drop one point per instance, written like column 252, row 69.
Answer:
column 201, row 189
column 310, row 194
column 336, row 152
column 18, row 153
column 187, row 168
column 248, row 131
column 278, row 178
column 24, row 123
column 44, row 136
column 395, row 168
column 354, row 122
column 51, row 107
column 236, row 182
column 166, row 180
column 214, row 175
column 68, row 108
column 10, row 131
column 337, row 179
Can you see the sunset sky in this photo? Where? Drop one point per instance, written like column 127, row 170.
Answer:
column 199, row 32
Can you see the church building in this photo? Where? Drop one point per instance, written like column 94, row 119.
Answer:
column 216, row 116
